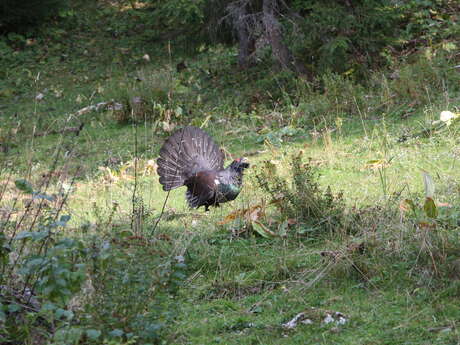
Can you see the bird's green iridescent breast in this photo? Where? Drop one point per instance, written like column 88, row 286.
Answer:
column 227, row 192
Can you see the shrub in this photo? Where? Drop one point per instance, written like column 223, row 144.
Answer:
column 432, row 68
column 132, row 290
column 106, row 286
column 301, row 197
column 350, row 37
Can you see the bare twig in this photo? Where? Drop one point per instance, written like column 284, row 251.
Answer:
column 75, row 130
column 134, row 215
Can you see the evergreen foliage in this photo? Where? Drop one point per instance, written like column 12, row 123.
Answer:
column 188, row 23
column 341, row 36
column 18, row 17
column 346, row 36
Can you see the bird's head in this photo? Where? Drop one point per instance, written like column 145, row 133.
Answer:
column 239, row 164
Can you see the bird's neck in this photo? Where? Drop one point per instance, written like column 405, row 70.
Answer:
column 232, row 176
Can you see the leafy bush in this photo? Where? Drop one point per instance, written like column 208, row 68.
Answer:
column 188, row 23
column 351, row 37
column 131, row 294
column 432, row 68
column 60, row 286
column 41, row 269
column 301, row 197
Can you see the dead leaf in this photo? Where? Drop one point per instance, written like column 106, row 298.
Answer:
column 292, row 221
column 444, row 204
column 375, row 164
column 426, row 225
column 407, row 205
column 254, row 213
column 250, row 214
column 262, row 230
column 232, row 216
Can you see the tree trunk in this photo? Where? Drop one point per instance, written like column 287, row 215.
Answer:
column 273, row 31
column 240, row 18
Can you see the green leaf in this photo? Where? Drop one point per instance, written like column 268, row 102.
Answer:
column 93, row 334
column 24, row 186
column 65, row 218
column 68, row 315
column 61, row 282
column 116, row 333
column 40, row 235
column 24, row 234
column 42, row 196
column 62, row 313
column 48, row 290
column 430, row 208
column 13, row 307
column 408, row 204
column 2, row 314
column 68, row 335
column 283, row 228
column 37, row 262
column 48, row 306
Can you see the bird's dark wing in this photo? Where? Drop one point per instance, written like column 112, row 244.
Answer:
column 201, row 188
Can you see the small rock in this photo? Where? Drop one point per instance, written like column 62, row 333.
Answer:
column 180, row 259
column 328, row 319
column 136, row 100
column 293, row 322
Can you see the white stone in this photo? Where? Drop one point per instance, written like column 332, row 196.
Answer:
column 446, row 116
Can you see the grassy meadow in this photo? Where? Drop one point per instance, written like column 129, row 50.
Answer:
column 359, row 214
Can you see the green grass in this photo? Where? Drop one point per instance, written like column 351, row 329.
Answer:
column 391, row 318
column 402, row 288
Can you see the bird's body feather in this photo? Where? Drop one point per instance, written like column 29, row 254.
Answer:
column 190, row 158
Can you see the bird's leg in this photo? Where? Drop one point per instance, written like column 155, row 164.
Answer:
column 206, row 208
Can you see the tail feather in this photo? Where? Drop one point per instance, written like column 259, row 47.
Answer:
column 186, row 152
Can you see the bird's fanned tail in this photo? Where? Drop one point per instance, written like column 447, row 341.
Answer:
column 186, row 152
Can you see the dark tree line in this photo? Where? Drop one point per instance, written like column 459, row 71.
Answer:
column 18, row 16
column 303, row 36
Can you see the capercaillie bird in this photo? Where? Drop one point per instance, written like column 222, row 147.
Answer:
column 191, row 158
